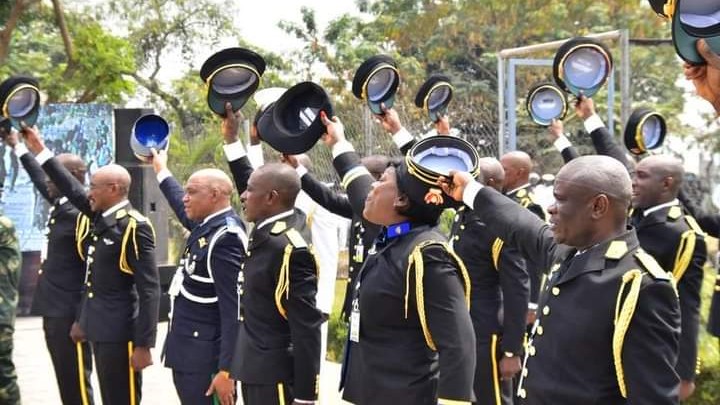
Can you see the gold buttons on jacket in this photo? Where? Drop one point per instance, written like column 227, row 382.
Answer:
column 522, row 393
column 546, row 310
column 195, row 334
column 555, row 291
column 539, row 330
column 90, row 295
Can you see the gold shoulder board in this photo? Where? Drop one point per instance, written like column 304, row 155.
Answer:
column 652, row 266
column 137, row 216
column 278, row 228
column 616, row 250
column 295, row 238
column 675, row 212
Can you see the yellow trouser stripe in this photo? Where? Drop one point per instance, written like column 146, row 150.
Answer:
column 131, row 374
column 496, row 381
column 81, row 373
column 281, row 395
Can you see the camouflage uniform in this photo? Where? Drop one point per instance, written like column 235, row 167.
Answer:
column 10, row 260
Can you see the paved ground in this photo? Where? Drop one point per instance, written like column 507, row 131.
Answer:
column 38, row 386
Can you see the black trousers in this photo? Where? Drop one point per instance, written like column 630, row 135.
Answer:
column 119, row 385
column 191, row 387
column 488, row 388
column 70, row 361
column 278, row 394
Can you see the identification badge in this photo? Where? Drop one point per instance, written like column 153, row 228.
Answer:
column 359, row 253
column 355, row 322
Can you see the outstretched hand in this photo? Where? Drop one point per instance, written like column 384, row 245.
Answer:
column 584, row 107
column 454, row 186
column 32, row 137
column 159, row 159
column 389, row 119
column 335, row 130
column 706, row 78
column 231, row 124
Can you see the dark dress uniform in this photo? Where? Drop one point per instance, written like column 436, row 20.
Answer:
column 500, row 289
column 710, row 224
column 204, row 316
column 362, row 233
column 677, row 243
column 122, row 290
column 59, row 290
column 277, row 354
column 414, row 342
column 608, row 319
column 526, row 199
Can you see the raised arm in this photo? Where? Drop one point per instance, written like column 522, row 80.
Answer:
column 66, row 183
column 171, row 188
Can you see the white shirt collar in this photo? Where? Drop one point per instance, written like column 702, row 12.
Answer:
column 213, row 215
column 518, row 188
column 115, row 207
column 275, row 218
column 661, row 206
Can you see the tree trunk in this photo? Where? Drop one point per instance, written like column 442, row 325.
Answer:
column 6, row 32
column 67, row 40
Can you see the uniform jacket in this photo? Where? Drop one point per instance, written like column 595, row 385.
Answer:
column 500, row 286
column 362, row 233
column 279, row 333
column 203, row 328
column 525, row 198
column 122, row 289
column 573, row 357
column 678, row 245
column 62, row 272
column 413, row 358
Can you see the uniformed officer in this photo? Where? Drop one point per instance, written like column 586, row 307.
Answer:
column 10, row 266
column 500, row 289
column 119, row 312
column 410, row 338
column 609, row 320
column 277, row 356
column 203, row 324
column 362, row 233
column 60, row 278
column 676, row 241
column 517, row 166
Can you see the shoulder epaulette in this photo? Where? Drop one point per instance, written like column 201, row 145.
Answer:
column 295, row 238
column 692, row 223
column 137, row 216
column 616, row 250
column 121, row 213
column 232, row 225
column 674, row 212
column 278, row 228
column 648, row 263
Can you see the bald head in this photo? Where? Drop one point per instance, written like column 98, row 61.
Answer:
column 215, row 179
column 594, row 174
column 74, row 164
column 282, row 179
column 492, row 172
column 114, row 173
column 376, row 164
column 656, row 180
column 517, row 165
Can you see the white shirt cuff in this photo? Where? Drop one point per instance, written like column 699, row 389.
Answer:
column 162, row 175
column 562, row 143
column 532, row 306
column 44, row 156
column 304, row 401
column 593, row 122
column 342, row 147
column 301, row 170
column 470, row 193
column 255, row 155
column 20, row 149
column 234, row 151
column 402, row 137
